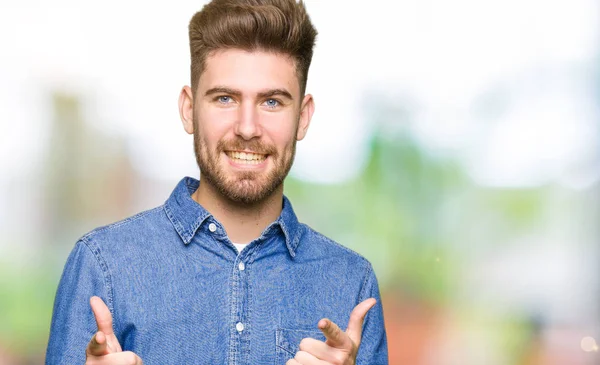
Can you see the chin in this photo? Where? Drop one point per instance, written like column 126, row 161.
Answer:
column 248, row 193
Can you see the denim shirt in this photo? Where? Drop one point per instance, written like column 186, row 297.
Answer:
column 180, row 293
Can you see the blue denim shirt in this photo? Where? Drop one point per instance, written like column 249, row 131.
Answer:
column 180, row 293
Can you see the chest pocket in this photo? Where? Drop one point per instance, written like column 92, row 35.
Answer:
column 288, row 342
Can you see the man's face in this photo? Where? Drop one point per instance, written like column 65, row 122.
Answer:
column 247, row 115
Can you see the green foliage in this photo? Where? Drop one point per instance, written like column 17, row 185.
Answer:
column 414, row 216
column 26, row 312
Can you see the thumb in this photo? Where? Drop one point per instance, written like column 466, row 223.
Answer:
column 102, row 315
column 98, row 345
column 357, row 318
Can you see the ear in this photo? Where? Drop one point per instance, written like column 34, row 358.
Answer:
column 306, row 112
column 186, row 109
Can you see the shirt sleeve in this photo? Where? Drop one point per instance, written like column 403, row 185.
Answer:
column 73, row 323
column 373, row 347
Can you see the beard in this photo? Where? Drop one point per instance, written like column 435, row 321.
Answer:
column 242, row 187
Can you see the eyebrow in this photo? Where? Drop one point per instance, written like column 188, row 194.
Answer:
column 222, row 90
column 275, row 92
column 262, row 94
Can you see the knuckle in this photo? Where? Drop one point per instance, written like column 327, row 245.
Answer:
column 106, row 322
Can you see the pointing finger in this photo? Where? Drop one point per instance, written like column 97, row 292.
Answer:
column 335, row 336
column 357, row 318
column 102, row 315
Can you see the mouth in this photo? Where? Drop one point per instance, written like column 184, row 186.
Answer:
column 246, row 158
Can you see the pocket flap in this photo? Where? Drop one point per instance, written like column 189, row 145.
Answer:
column 289, row 339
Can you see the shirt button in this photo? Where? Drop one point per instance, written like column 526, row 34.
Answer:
column 239, row 326
column 212, row 227
column 241, row 266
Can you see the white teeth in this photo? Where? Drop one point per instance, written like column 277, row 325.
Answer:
column 246, row 157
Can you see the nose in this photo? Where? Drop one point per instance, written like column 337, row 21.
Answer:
column 247, row 125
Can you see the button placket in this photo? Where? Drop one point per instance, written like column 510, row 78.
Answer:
column 240, row 330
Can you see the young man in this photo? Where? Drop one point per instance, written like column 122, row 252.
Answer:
column 223, row 272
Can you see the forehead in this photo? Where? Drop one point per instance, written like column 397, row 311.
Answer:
column 249, row 71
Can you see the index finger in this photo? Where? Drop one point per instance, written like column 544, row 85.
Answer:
column 335, row 336
column 102, row 315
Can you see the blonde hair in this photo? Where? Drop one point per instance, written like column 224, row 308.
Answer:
column 281, row 26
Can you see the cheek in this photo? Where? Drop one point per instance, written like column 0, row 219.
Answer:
column 284, row 140
column 282, row 131
column 213, row 126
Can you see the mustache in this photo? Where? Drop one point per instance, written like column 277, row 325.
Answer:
column 253, row 145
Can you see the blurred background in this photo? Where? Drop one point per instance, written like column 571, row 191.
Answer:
column 456, row 145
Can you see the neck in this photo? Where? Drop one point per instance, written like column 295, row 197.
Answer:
column 243, row 223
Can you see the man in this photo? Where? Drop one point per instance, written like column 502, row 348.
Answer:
column 223, row 272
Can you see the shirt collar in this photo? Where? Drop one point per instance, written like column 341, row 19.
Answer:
column 187, row 215
column 292, row 229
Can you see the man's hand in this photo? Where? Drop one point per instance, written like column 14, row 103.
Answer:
column 341, row 347
column 104, row 348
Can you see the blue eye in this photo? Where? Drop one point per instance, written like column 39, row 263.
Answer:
column 272, row 103
column 224, row 99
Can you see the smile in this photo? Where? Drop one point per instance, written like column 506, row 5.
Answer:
column 247, row 158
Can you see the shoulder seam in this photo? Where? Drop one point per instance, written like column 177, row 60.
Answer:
column 338, row 244
column 120, row 223
column 361, row 295
column 95, row 250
